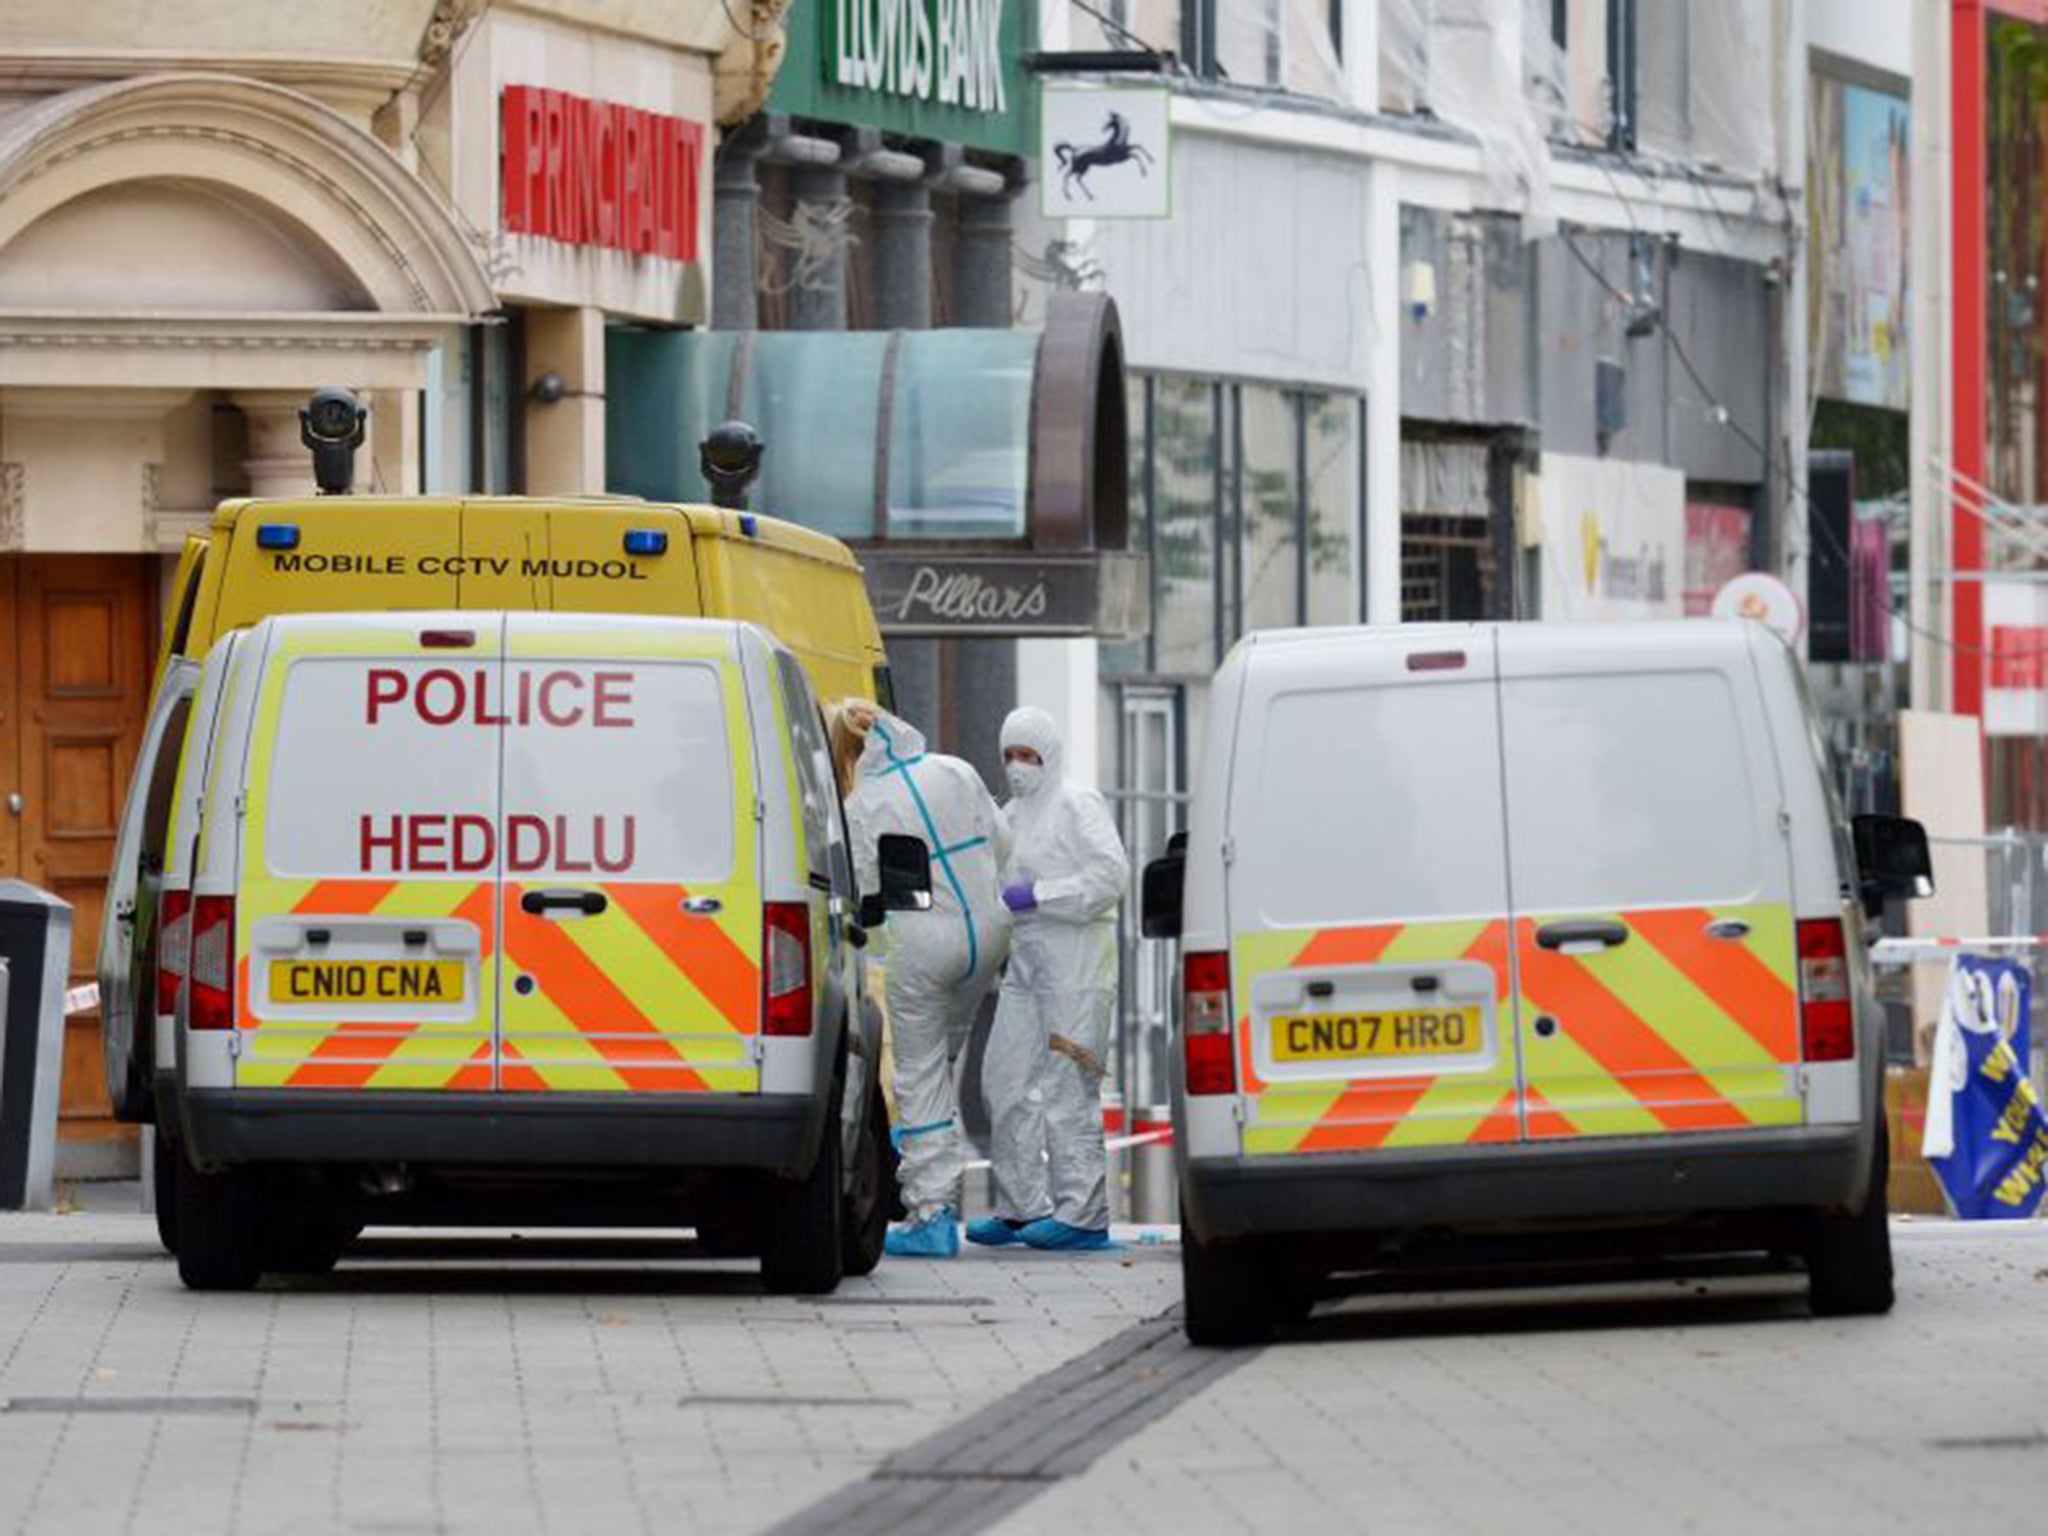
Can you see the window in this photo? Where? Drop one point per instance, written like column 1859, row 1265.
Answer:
column 1184, row 468
column 1270, row 490
column 1248, row 500
column 816, row 783
column 1335, row 495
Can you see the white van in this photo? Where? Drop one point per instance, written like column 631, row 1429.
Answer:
column 519, row 918
column 1537, row 937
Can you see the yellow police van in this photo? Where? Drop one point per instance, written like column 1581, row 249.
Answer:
column 523, row 918
column 1522, row 941
column 358, row 553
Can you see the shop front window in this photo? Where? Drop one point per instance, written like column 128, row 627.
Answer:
column 959, row 435
column 815, row 397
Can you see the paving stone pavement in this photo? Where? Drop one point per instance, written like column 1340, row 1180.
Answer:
column 457, row 1387
column 1649, row 1407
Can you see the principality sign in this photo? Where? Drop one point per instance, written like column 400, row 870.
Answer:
column 951, row 593
column 596, row 173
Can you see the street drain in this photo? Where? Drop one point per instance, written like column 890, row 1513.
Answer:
column 2029, row 1442
column 970, row 1475
column 903, row 1301
column 741, row 1400
column 148, row 1405
column 78, row 1253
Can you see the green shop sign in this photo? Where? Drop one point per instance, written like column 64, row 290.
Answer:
column 950, row 70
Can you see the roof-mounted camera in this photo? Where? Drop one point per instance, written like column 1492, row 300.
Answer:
column 332, row 425
column 730, row 458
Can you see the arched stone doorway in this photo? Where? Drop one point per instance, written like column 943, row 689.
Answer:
column 182, row 257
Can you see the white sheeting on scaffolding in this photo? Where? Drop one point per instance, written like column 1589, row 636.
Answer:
column 1704, row 82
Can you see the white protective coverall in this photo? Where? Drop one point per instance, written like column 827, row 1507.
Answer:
column 1044, row 1065
column 939, row 963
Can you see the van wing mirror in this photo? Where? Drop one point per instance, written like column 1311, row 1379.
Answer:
column 1891, row 858
column 1160, row 901
column 906, row 868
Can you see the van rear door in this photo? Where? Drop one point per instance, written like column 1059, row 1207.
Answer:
column 1651, row 884
column 632, row 859
column 1368, row 897
column 367, row 904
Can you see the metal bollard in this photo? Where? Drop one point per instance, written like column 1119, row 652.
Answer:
column 35, row 942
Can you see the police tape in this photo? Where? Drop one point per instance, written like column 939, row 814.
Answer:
column 1113, row 1144
column 82, row 999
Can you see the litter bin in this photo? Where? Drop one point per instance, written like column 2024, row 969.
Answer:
column 35, row 945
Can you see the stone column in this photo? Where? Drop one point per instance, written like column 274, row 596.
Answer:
column 903, row 255
column 819, row 302
column 987, row 669
column 565, row 437
column 736, row 193
column 981, row 262
column 278, row 463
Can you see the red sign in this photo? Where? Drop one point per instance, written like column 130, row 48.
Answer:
column 596, row 173
column 2019, row 656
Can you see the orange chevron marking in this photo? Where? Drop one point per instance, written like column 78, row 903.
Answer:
column 1642, row 1062
column 346, row 898
column 1365, row 1114
column 474, row 1074
column 701, row 950
column 514, row 1073
column 1545, row 1121
column 1348, row 946
column 320, row 1072
column 581, row 989
column 1739, row 984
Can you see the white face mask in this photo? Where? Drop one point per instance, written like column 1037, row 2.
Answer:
column 1024, row 778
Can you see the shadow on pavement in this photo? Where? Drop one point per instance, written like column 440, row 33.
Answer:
column 1435, row 1306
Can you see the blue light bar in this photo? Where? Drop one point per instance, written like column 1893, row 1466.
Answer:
column 750, row 525
column 277, row 536
column 646, row 541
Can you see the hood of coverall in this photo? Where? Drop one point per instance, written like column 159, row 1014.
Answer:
column 889, row 737
column 1032, row 727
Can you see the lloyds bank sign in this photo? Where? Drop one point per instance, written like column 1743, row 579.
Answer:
column 946, row 52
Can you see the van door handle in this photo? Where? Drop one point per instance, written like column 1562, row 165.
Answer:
column 1586, row 930
column 587, row 903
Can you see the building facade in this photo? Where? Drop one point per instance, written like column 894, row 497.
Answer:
column 210, row 208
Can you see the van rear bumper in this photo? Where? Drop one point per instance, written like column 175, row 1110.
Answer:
column 1807, row 1167
column 776, row 1133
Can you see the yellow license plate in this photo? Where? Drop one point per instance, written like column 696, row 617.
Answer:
column 1367, row 1034
column 429, row 982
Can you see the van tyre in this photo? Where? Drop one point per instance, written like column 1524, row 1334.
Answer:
column 166, row 1163
column 870, row 1184
column 1849, row 1258
column 1225, row 1295
column 223, row 1228
column 801, row 1249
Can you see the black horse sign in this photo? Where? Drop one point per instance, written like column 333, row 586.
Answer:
column 1105, row 152
column 1116, row 148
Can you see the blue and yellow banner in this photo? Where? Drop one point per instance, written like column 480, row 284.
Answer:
column 1986, row 1137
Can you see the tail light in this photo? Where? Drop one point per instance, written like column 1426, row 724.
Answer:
column 1827, row 1018
column 1206, row 1041
column 212, row 973
column 173, row 946
column 785, row 968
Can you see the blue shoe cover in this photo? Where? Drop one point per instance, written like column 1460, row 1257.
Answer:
column 936, row 1238
column 1058, row 1235
column 992, row 1231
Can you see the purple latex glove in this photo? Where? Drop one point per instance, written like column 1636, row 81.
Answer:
column 1021, row 897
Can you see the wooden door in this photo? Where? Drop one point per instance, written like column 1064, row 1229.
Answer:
column 79, row 665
